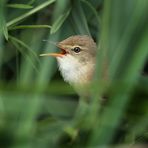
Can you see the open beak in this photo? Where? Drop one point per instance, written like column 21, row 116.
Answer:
column 60, row 54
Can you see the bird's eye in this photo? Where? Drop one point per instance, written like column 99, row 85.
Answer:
column 77, row 49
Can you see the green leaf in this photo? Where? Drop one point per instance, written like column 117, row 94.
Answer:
column 5, row 31
column 29, row 27
column 58, row 23
column 32, row 11
column 20, row 6
column 94, row 11
column 30, row 56
column 3, row 27
column 79, row 20
column 31, row 2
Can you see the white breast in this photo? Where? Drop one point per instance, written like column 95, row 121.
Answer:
column 72, row 70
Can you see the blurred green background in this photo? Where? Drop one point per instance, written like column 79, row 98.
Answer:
column 38, row 109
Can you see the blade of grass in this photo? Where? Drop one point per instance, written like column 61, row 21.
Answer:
column 137, row 15
column 42, row 80
column 29, row 13
column 58, row 23
column 78, row 20
column 35, row 44
column 29, row 27
column 106, row 129
column 100, row 76
column 19, row 6
column 31, row 2
column 29, row 56
column 25, row 46
column 29, row 88
column 3, row 29
column 94, row 11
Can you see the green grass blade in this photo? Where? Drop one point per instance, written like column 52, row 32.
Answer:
column 94, row 11
column 29, row 27
column 19, row 6
column 110, row 119
column 79, row 21
column 17, row 42
column 3, row 26
column 58, row 23
column 31, row 2
column 29, row 13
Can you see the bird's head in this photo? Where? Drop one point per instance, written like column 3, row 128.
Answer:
column 80, row 47
column 77, row 57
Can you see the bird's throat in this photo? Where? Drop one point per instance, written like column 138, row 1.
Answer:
column 74, row 71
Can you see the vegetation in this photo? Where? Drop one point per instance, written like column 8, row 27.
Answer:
column 38, row 109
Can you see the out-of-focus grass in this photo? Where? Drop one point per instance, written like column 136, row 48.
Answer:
column 38, row 109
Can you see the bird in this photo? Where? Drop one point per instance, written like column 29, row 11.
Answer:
column 76, row 61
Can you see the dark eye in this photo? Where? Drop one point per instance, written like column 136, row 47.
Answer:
column 77, row 49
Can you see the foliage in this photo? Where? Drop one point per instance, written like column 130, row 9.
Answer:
column 38, row 109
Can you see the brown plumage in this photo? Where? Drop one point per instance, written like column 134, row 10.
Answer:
column 76, row 60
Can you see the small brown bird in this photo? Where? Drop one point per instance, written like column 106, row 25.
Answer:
column 76, row 61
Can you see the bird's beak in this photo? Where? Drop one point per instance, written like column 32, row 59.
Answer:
column 60, row 54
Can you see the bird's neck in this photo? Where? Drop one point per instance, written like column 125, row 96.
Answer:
column 75, row 72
